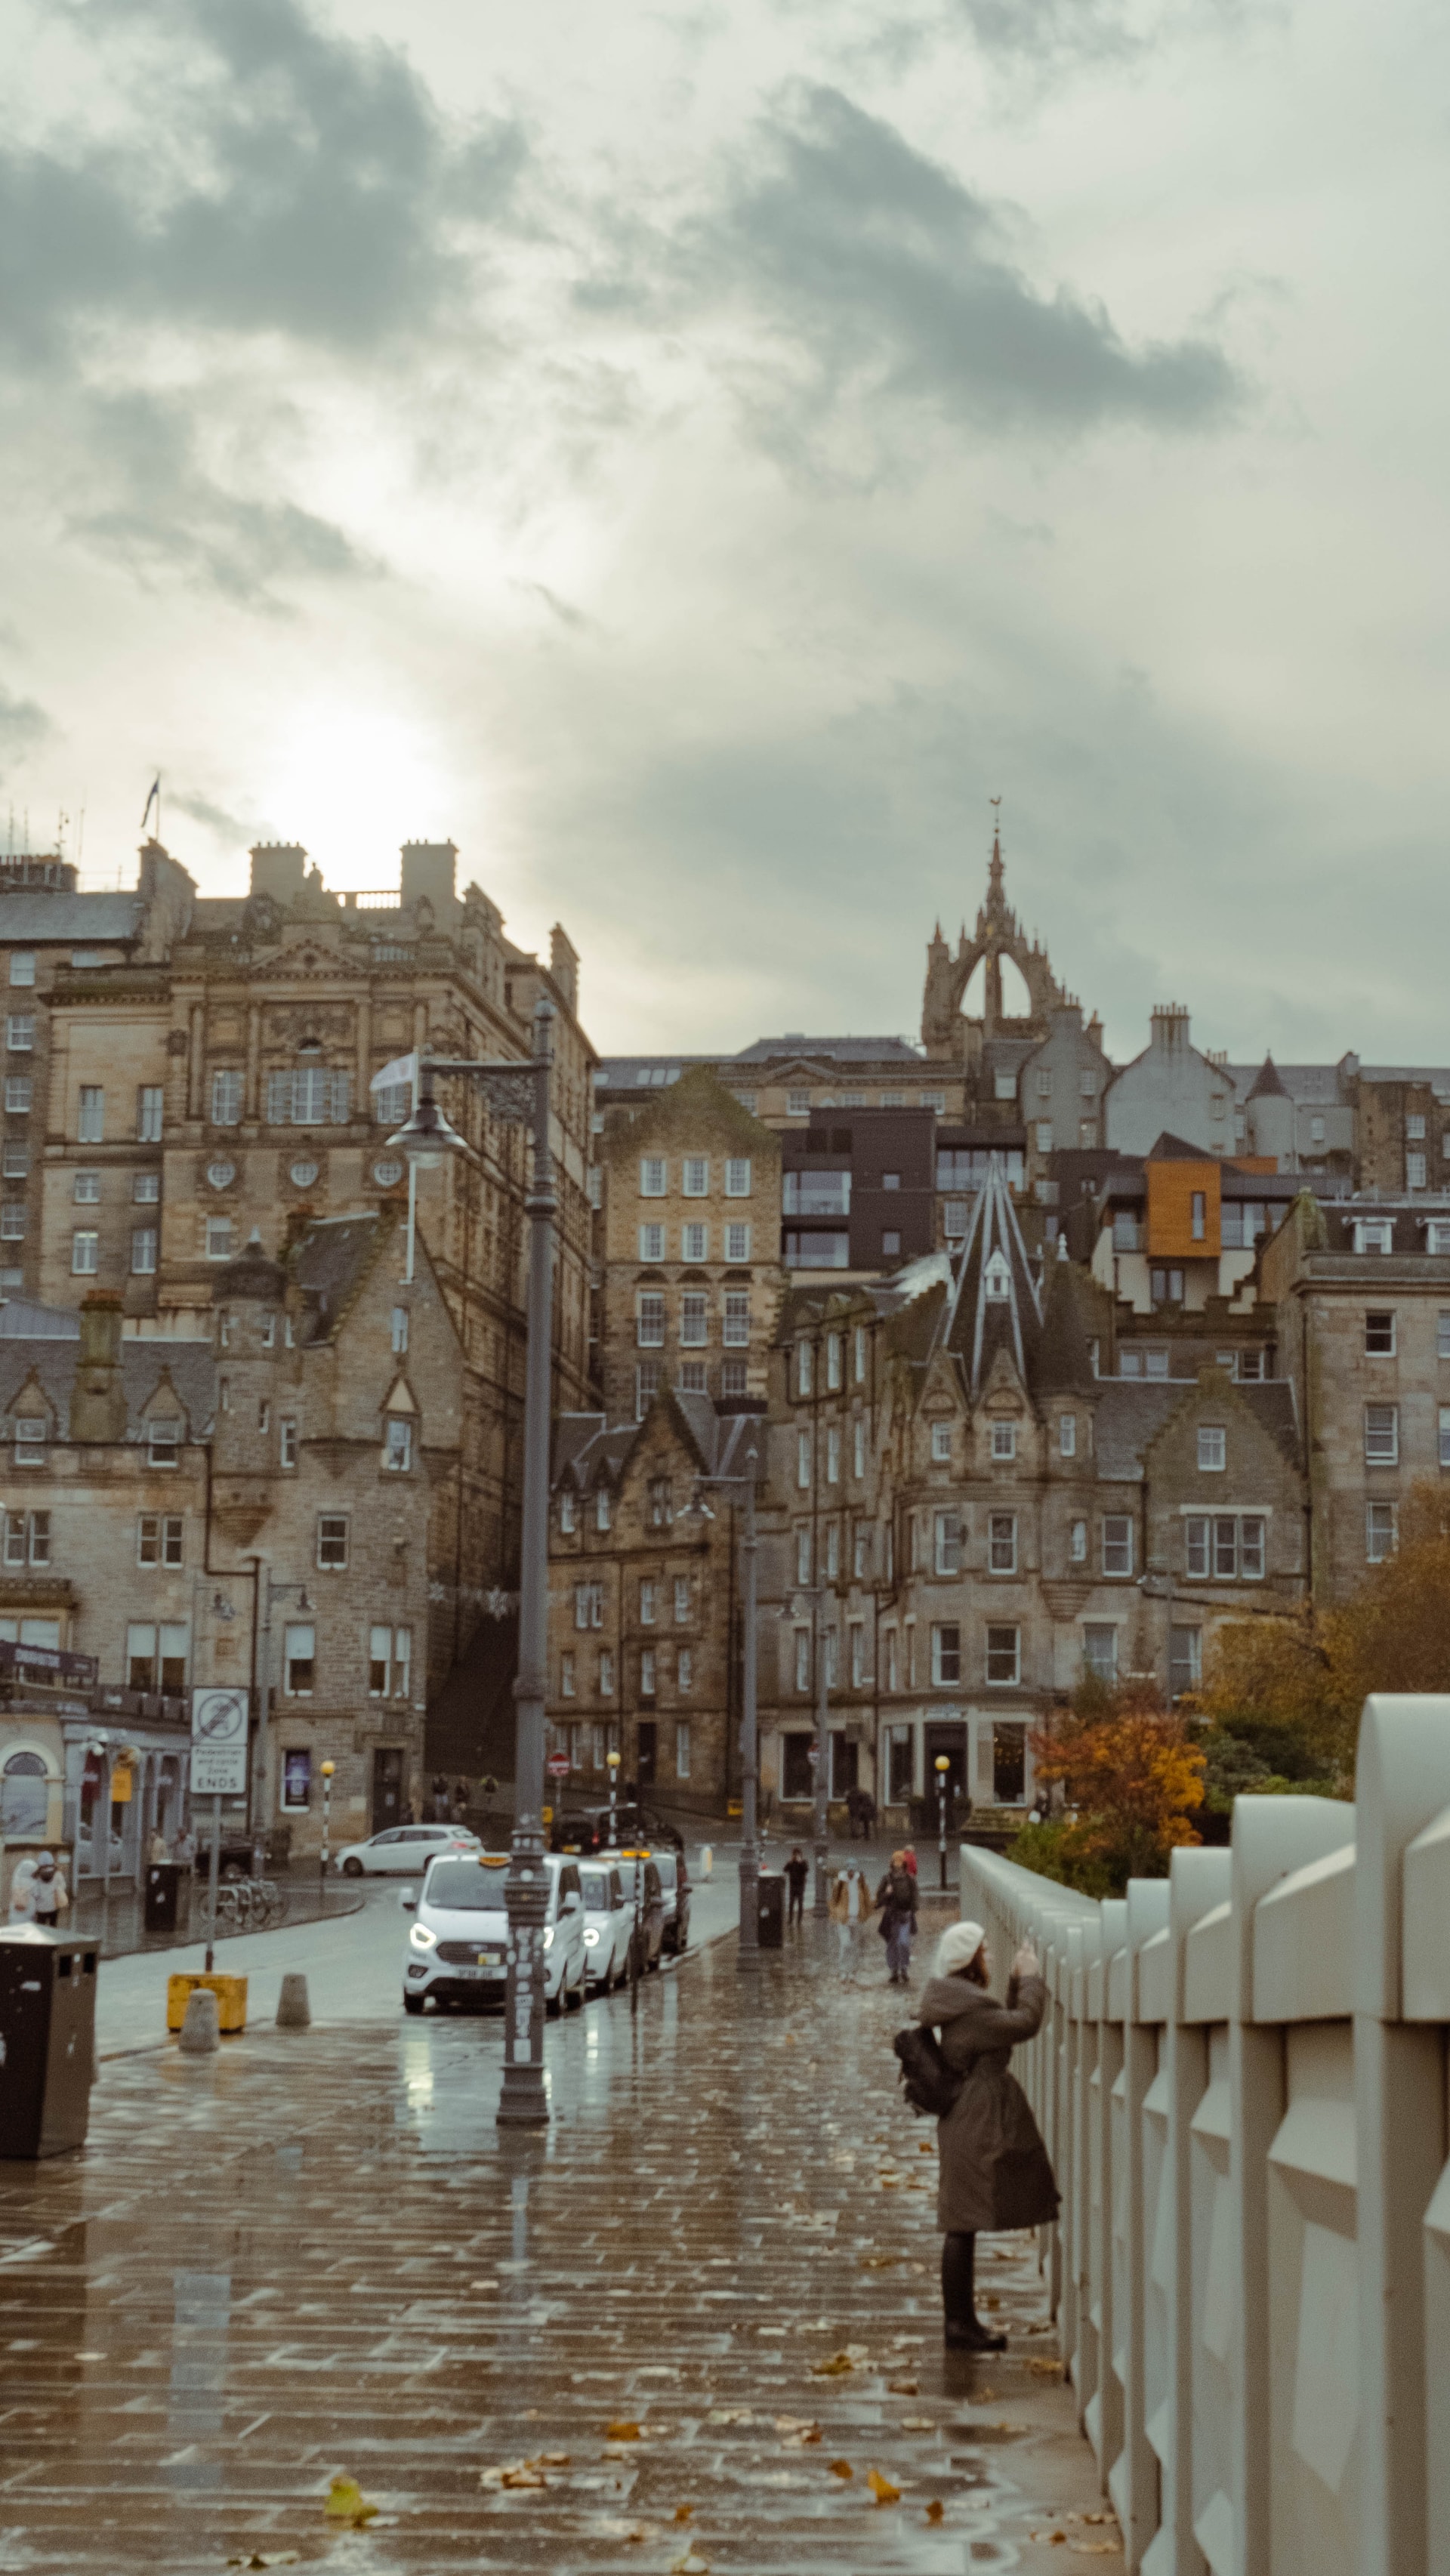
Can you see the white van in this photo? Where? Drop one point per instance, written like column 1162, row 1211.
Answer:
column 458, row 1940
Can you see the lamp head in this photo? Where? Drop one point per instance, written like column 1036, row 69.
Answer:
column 427, row 1136
column 327, row 1769
column 613, row 1760
column 943, row 1765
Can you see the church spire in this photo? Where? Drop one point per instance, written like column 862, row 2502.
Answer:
column 996, row 896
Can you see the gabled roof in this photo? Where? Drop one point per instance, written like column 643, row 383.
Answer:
column 1176, row 1149
column 842, row 1050
column 589, row 1450
column 332, row 1261
column 53, row 1362
column 1064, row 1353
column 1132, row 1411
column 1266, row 1084
column 994, row 1302
column 43, row 913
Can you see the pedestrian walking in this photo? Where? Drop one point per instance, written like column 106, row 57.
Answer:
column 853, row 1811
column 156, row 1848
column 186, row 1849
column 908, row 1858
column 797, row 1871
column 993, row 2170
column 896, row 1899
column 850, row 1912
column 38, row 1892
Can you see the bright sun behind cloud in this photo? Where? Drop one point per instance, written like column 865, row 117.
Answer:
column 353, row 781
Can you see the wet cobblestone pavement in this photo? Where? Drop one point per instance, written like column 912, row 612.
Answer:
column 686, row 2331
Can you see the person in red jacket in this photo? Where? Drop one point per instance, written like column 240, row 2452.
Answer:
column 908, row 1858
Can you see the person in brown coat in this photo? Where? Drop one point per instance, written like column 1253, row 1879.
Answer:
column 993, row 2170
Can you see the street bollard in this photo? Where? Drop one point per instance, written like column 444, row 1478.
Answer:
column 707, row 1862
column 199, row 2032
column 293, row 2011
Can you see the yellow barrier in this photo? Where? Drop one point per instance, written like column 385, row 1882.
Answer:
column 231, row 2000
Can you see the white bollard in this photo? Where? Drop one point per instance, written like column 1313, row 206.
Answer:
column 707, row 1862
column 200, row 2032
column 293, row 2010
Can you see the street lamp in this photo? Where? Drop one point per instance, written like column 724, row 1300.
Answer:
column 613, row 1761
column 747, row 1955
column 943, row 1766
column 328, row 1769
column 519, row 1092
column 821, row 1819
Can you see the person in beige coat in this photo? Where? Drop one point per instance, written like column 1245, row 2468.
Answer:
column 851, row 1910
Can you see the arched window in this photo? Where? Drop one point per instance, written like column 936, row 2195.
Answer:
column 24, row 1796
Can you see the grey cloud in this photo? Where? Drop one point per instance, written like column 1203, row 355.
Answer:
column 884, row 282
column 227, row 826
column 23, row 727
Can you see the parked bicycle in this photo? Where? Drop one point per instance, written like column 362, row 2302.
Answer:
column 248, row 1904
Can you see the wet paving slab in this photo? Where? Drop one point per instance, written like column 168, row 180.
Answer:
column 694, row 2326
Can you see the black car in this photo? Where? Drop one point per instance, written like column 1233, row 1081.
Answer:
column 579, row 1831
column 675, row 1893
column 634, row 1823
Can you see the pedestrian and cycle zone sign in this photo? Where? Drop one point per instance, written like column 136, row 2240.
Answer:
column 218, row 1743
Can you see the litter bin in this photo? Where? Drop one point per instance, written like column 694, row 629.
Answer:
column 47, row 2031
column 163, row 1895
column 772, row 1910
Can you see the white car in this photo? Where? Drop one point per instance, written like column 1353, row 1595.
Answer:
column 608, row 1922
column 458, row 1941
column 404, row 1851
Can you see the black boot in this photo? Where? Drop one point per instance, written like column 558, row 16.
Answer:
column 964, row 2329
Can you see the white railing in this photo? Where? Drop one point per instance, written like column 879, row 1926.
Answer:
column 1241, row 2079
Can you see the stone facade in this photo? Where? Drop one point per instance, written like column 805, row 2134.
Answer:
column 644, row 1599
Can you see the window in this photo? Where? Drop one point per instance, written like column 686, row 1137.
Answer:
column 696, row 1176
column 647, row 1672
column 287, row 1442
column 1197, row 1544
column 85, row 1253
column 859, row 1338
column 226, row 1099
column 1251, row 1548
column 1382, row 1435
column 1044, row 1135
column 397, row 1446
column 17, row 1094
column 1316, row 1131
column 694, row 1378
column 997, row 1280
column 834, row 1360
column 737, row 1243
column 682, row 1600
column 156, row 1658
column 1004, row 1086
column 1379, row 1336
column 890, row 1243
column 15, row 1538
column 1414, row 1171
column 650, row 1324
column 87, row 1189
column 1067, row 1435
column 12, row 1221
column 1442, row 1335
column 1415, row 1130
column 861, row 1551
column 858, row 1445
column 1374, row 1234
column 682, row 1737
column 652, row 1242
column 1212, row 1448
column 803, row 1553
column 31, row 1433
column 661, row 1505
column 310, row 1097
column 400, row 1330
column 941, row 1444
column 567, row 1522
column 1077, row 1543
column 802, row 1659
column 22, row 966
column 144, row 1242
column 1125, row 1230
column 803, row 1459
column 734, row 1378
column 602, row 1512
column 856, row 1638
column 1087, row 1133
column 1166, row 1289
column 20, row 1035
column 1437, row 1236
column 946, row 1656
column 150, row 1103
column 1004, row 1440
column 947, row 1533
column 566, row 1676
column 803, row 1368
column 1200, row 1216
column 694, row 1320
column 646, row 1387
column 737, row 1177
column 390, row 1662
column 652, row 1176
column 218, row 1238
column 646, row 1605
column 1100, row 1652
column 332, row 1541
column 735, row 1333
column 1445, row 1435
column 27, row 1538
column 1002, row 1542
column 91, row 1125
column 684, row 1668
column 1004, row 1655
column 1379, row 1532
column 1225, row 1550
column 163, row 1442
column 588, row 1605
column 1185, row 1659
column 1117, row 1543
column 797, row 1104
column 159, row 1538
column 694, row 1242
column 16, row 1162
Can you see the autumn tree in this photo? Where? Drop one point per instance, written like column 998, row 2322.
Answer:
column 1133, row 1781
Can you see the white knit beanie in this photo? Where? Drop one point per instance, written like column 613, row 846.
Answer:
column 958, row 1947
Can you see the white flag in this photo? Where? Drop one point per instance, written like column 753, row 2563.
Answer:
column 404, row 1068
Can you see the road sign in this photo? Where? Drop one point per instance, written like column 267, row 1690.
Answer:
column 557, row 1766
column 218, row 1743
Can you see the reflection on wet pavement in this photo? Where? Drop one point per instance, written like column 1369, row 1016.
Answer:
column 695, row 2326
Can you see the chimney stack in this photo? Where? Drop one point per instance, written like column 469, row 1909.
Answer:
column 98, row 1402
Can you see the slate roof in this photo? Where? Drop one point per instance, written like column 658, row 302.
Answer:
column 1132, row 1411
column 53, row 1363
column 588, row 1449
column 1064, row 1353
column 846, row 1050
column 330, row 1264
column 994, row 1303
column 22, row 1318
column 1266, row 1084
column 47, row 914
column 1316, row 1084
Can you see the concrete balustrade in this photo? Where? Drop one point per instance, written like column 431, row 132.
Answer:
column 1241, row 2078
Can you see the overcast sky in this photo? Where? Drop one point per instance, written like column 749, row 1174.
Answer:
column 695, row 456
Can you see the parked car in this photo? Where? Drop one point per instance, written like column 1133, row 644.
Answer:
column 458, row 1940
column 651, row 1900
column 675, row 1893
column 635, row 1824
column 608, row 1922
column 403, row 1849
column 579, row 1831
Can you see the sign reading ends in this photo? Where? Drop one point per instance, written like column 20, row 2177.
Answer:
column 218, row 1743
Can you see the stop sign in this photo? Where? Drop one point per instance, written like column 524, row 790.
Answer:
column 557, row 1766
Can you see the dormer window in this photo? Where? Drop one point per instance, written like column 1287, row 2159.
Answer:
column 163, row 1443
column 1004, row 1439
column 997, row 1282
column 601, row 1508
column 398, row 1447
column 566, row 1514
column 31, row 1433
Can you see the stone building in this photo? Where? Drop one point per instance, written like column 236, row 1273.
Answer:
column 644, row 1597
column 1174, row 1087
column 1362, row 1289
column 689, row 1247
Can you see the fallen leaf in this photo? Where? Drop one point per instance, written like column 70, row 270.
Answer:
column 986, row 2397
column 840, row 2468
column 730, row 2415
column 267, row 2558
column 523, row 2477
column 347, row 2503
column 1100, row 2517
column 903, row 2388
column 549, row 2460
column 936, row 2510
column 917, row 2424
column 621, row 2433
column 877, row 2262
column 1044, row 2369
column 883, row 2490
column 682, row 2513
column 690, row 2565
column 794, row 2424
column 1095, row 2549
column 834, row 2368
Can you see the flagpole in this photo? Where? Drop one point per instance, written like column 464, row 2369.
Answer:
column 412, row 1185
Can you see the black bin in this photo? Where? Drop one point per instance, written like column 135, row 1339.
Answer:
column 163, row 1895
column 772, row 1910
column 47, row 2028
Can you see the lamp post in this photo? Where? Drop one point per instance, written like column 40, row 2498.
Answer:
column 519, row 1092
column 821, row 1819
column 747, row 1954
column 943, row 1766
column 328, row 1769
column 613, row 1759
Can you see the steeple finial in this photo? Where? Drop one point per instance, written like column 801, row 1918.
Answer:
column 995, row 879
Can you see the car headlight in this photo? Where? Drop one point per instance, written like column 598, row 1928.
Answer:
column 548, row 1936
column 591, row 1940
column 422, row 1938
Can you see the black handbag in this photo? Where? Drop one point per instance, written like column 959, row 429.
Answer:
column 929, row 2084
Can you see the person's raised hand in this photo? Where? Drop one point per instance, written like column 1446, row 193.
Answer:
column 1026, row 1963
